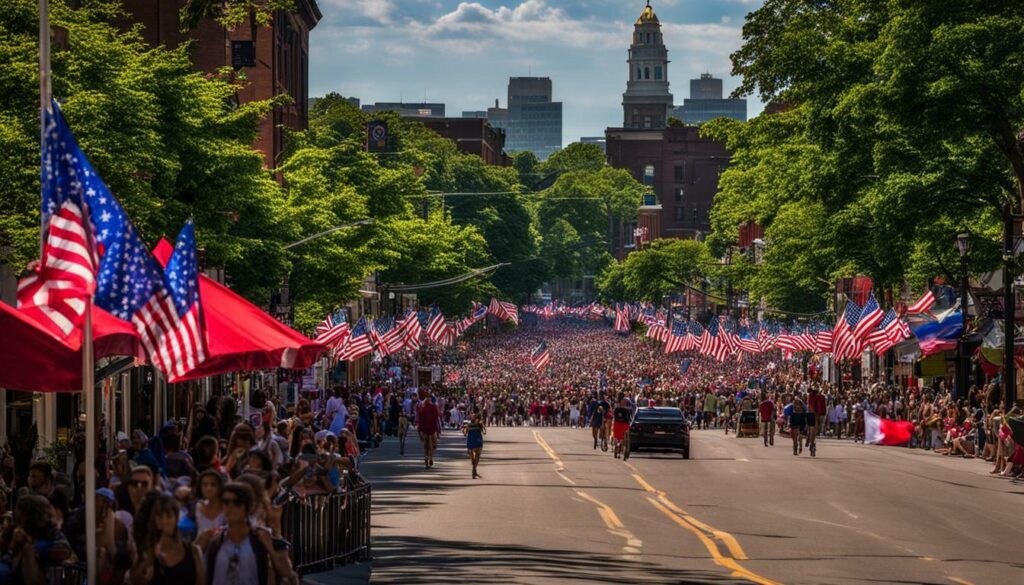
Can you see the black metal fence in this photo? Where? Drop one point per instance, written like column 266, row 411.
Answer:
column 326, row 531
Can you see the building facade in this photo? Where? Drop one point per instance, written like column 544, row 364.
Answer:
column 598, row 141
column 408, row 110
column 273, row 57
column 647, row 102
column 706, row 103
column 473, row 136
column 679, row 167
column 532, row 121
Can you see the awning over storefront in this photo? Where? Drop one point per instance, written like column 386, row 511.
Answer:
column 32, row 359
column 240, row 336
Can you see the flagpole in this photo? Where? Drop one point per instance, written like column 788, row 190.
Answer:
column 44, row 94
column 91, row 420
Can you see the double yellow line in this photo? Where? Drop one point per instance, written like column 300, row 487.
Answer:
column 707, row 535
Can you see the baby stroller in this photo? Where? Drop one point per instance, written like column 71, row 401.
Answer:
column 748, row 424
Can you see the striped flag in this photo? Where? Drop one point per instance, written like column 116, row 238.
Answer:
column 823, row 341
column 436, row 326
column 714, row 345
column 55, row 293
column 358, row 343
column 479, row 311
column 162, row 304
column 388, row 337
column 333, row 330
column 679, row 338
column 511, row 312
column 540, row 356
column 410, row 330
column 747, row 342
column 923, row 304
column 621, row 321
column 870, row 316
column 844, row 344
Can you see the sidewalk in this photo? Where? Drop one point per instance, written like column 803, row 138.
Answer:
column 354, row 574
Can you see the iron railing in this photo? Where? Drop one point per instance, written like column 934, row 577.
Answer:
column 329, row 530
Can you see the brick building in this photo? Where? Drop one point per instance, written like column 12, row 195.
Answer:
column 274, row 58
column 473, row 136
column 679, row 166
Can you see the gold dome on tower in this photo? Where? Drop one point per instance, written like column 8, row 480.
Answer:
column 647, row 15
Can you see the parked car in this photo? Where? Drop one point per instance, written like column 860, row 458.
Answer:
column 660, row 428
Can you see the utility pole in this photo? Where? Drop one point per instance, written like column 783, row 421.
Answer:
column 1009, row 309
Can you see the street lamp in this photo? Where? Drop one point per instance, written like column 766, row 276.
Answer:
column 963, row 245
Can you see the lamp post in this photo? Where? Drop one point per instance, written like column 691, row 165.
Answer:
column 963, row 245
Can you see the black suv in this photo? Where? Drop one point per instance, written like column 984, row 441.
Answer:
column 660, row 428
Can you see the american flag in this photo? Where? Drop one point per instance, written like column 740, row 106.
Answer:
column 358, row 343
column 747, row 342
column 540, row 356
column 714, row 345
column 890, row 331
column 55, row 293
column 767, row 336
column 411, row 330
column 387, row 337
column 657, row 331
column 677, row 341
column 511, row 312
column 479, row 311
column 597, row 310
column 923, row 304
column 844, row 344
column 495, row 308
column 823, row 340
column 436, row 326
column 870, row 316
column 65, row 277
column 161, row 303
column 333, row 330
column 621, row 320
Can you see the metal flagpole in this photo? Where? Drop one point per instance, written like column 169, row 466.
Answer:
column 89, row 395
column 44, row 93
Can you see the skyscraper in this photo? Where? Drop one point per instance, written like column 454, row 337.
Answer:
column 532, row 120
column 647, row 102
column 706, row 102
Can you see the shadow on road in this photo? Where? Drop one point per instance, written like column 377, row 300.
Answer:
column 451, row 561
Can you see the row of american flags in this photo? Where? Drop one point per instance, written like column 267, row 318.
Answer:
column 859, row 329
column 92, row 253
column 388, row 335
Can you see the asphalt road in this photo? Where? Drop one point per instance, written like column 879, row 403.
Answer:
column 551, row 509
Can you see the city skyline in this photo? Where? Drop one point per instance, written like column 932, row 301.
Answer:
column 391, row 51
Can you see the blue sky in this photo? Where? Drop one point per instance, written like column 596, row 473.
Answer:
column 462, row 53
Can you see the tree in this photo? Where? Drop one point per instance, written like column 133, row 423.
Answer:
column 902, row 129
column 665, row 267
column 576, row 157
column 171, row 143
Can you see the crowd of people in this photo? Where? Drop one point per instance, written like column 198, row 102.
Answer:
column 199, row 502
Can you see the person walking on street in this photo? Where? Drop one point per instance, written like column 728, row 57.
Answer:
column 474, row 431
column 428, row 421
column 797, row 424
column 766, row 412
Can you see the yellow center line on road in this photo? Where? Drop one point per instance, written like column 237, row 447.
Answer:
column 960, row 581
column 608, row 516
column 704, row 533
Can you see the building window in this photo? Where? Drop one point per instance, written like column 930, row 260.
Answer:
column 696, row 216
column 647, row 72
column 648, row 38
column 680, row 213
column 649, row 175
column 657, row 72
column 647, row 121
column 639, row 73
column 679, row 174
column 679, row 195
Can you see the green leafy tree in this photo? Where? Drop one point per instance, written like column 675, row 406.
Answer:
column 576, row 157
column 171, row 143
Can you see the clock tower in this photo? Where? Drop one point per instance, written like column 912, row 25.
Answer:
column 647, row 102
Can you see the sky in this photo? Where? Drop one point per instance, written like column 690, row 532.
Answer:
column 462, row 53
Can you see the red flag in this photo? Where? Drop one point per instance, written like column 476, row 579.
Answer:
column 882, row 431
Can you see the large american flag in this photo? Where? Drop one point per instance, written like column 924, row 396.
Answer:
column 890, row 331
column 823, row 340
column 333, row 330
column 540, row 356
column 678, row 339
column 161, row 303
column 747, row 342
column 411, row 330
column 844, row 344
column 387, row 337
column 436, row 326
column 56, row 291
column 358, row 343
column 870, row 316
column 923, row 304
column 714, row 345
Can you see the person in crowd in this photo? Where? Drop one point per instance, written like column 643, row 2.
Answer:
column 474, row 431
column 33, row 543
column 163, row 557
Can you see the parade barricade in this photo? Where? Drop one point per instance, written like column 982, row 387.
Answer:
column 329, row 530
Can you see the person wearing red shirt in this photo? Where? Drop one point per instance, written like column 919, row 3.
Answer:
column 428, row 423
column 815, row 414
column 766, row 412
